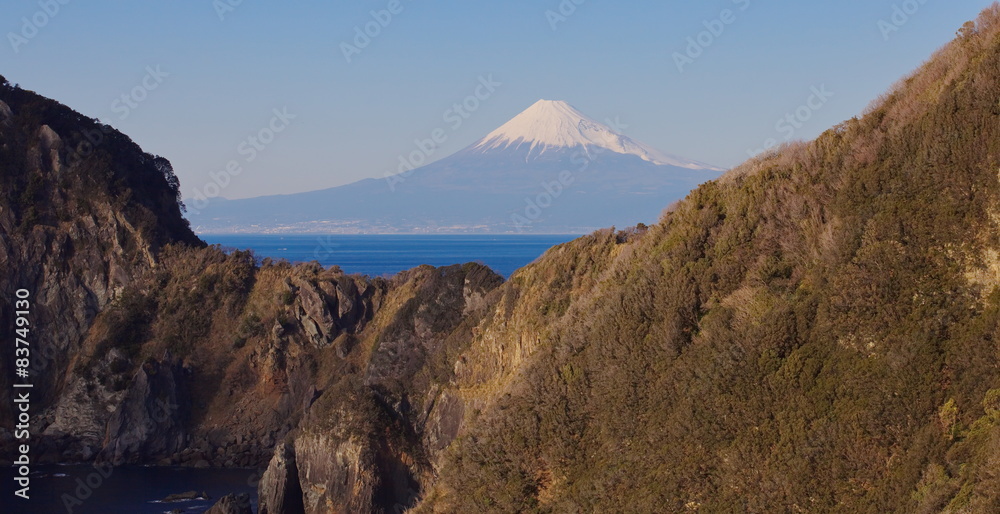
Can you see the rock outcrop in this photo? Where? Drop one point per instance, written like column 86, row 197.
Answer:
column 815, row 332
column 5, row 112
column 232, row 504
column 361, row 448
column 280, row 491
column 150, row 422
column 83, row 213
column 329, row 309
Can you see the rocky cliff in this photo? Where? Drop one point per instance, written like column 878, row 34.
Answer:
column 83, row 212
column 814, row 332
column 153, row 349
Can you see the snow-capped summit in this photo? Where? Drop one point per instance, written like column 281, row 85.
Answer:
column 550, row 125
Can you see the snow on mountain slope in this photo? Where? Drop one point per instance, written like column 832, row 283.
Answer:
column 557, row 125
column 481, row 188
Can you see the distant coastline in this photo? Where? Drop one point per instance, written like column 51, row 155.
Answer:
column 388, row 254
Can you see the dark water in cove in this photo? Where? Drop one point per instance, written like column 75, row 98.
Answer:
column 386, row 255
column 125, row 490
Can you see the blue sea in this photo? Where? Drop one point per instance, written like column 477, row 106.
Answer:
column 124, row 490
column 380, row 255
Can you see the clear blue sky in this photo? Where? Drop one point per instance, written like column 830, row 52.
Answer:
column 353, row 120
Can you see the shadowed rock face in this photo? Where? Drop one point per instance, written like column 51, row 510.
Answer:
column 171, row 353
column 5, row 112
column 232, row 504
column 329, row 309
column 361, row 446
column 280, row 491
column 150, row 421
column 83, row 212
column 814, row 332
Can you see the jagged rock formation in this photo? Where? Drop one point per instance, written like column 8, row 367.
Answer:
column 232, row 504
column 814, row 332
column 83, row 212
column 359, row 448
column 280, row 491
column 151, row 418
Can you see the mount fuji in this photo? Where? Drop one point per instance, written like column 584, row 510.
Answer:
column 550, row 169
column 557, row 126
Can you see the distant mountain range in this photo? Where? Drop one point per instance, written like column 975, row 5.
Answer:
column 550, row 169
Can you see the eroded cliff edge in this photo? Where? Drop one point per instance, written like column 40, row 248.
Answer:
column 816, row 331
column 152, row 348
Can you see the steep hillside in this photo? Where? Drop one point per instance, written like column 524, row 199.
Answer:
column 250, row 350
column 83, row 211
column 814, row 332
column 154, row 349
